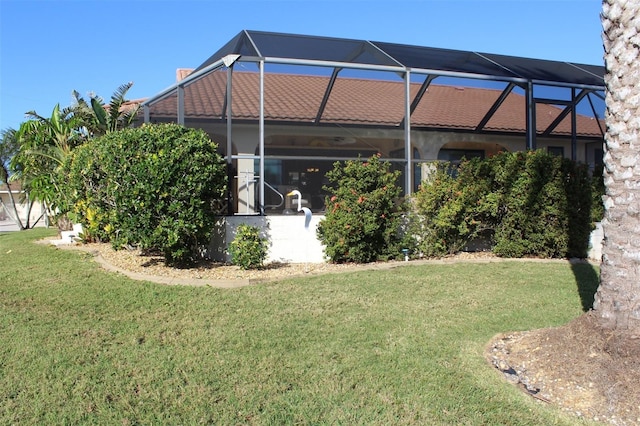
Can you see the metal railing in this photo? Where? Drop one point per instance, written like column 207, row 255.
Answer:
column 278, row 193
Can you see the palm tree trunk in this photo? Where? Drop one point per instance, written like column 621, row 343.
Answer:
column 617, row 301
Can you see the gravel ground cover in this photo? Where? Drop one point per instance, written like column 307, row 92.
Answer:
column 152, row 264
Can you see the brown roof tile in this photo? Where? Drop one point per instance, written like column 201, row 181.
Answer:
column 297, row 98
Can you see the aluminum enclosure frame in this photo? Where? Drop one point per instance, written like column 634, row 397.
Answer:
column 244, row 41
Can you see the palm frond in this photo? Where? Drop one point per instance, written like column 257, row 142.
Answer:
column 129, row 116
column 34, row 116
column 117, row 100
column 100, row 113
column 119, row 94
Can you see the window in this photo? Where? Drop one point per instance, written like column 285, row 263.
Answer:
column 556, row 150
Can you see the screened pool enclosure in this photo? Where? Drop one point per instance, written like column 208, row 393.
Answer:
column 284, row 108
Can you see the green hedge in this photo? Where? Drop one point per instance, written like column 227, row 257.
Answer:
column 524, row 203
column 155, row 187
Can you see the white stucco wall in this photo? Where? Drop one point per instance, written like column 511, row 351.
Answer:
column 289, row 241
column 595, row 243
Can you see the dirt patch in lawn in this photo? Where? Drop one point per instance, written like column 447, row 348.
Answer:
column 589, row 371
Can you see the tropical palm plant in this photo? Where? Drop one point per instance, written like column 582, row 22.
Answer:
column 117, row 115
column 44, row 145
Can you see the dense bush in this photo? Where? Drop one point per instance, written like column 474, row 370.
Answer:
column 154, row 187
column 525, row 203
column 89, row 202
column 545, row 206
column 453, row 211
column 248, row 249
column 364, row 216
column 597, row 192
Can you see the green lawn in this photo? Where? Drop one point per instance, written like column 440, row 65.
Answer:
column 400, row 346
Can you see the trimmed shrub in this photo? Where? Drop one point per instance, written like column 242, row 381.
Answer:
column 363, row 219
column 545, row 206
column 155, row 187
column 248, row 250
column 526, row 203
column 454, row 207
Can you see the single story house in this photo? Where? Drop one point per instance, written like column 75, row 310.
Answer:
column 284, row 108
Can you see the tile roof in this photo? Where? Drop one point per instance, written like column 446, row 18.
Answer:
column 127, row 106
column 358, row 101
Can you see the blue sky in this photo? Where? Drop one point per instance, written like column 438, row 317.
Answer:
column 50, row 47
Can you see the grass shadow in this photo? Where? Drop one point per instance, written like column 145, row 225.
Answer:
column 587, row 280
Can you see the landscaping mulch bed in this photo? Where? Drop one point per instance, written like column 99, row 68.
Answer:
column 152, row 264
